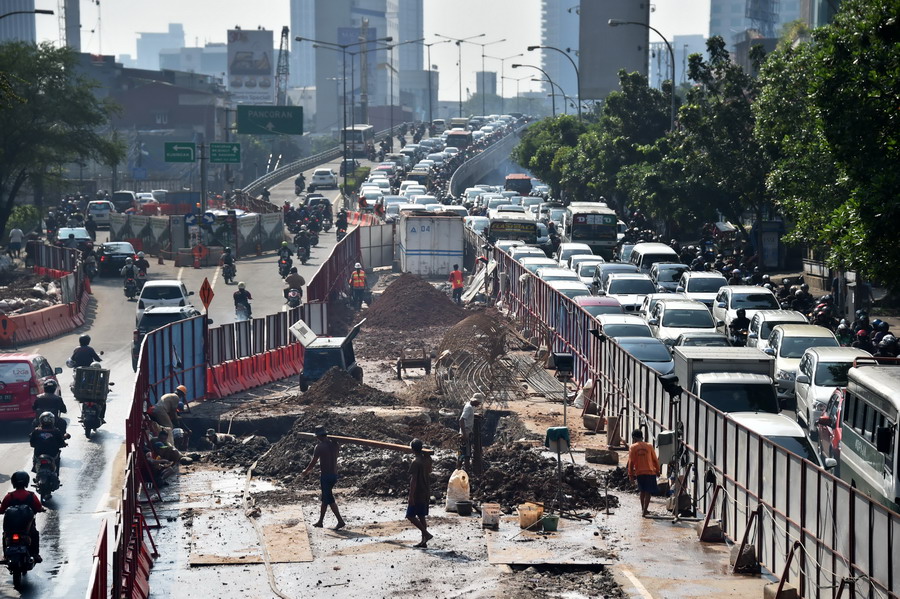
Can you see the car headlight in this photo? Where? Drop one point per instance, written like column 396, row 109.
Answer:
column 785, row 375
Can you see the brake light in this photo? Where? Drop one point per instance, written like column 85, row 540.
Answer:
column 89, row 404
column 15, row 536
column 102, row 258
column 45, row 462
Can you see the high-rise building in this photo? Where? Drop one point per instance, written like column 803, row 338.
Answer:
column 17, row 28
column 303, row 55
column 410, row 26
column 731, row 18
column 486, row 82
column 150, row 44
column 73, row 24
column 211, row 59
column 559, row 28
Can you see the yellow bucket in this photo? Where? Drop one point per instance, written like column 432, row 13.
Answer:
column 529, row 514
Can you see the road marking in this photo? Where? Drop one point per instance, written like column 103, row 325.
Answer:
column 215, row 278
column 180, row 272
column 637, row 584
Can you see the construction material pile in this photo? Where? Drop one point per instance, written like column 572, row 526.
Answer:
column 240, row 453
column 23, row 292
column 338, row 388
column 410, row 302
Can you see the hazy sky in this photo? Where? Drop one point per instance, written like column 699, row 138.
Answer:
column 111, row 26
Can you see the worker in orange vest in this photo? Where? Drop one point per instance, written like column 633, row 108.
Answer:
column 358, row 285
column 456, row 282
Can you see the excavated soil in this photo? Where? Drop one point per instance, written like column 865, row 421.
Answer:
column 23, row 291
column 241, row 453
column 562, row 581
column 338, row 388
column 409, row 303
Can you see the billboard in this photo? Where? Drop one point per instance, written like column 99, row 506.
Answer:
column 603, row 50
column 251, row 66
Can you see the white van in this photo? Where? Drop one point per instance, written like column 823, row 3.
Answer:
column 645, row 255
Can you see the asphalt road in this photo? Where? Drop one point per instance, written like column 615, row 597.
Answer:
column 91, row 470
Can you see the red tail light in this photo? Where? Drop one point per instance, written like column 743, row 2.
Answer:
column 45, row 462
column 102, row 258
column 15, row 536
column 89, row 404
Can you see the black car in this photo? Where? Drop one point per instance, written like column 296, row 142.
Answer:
column 112, row 255
column 154, row 318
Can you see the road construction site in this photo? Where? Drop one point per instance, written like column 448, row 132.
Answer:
column 239, row 519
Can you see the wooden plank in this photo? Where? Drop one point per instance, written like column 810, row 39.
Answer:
column 286, row 536
column 366, row 442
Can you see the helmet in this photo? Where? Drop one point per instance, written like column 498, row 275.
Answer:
column 140, row 254
column 861, row 334
column 826, row 298
column 755, row 269
column 876, row 323
column 128, row 261
column 50, row 386
column 769, row 286
column 691, row 248
column 293, row 270
column 20, row 479
column 303, row 227
column 227, row 250
column 241, row 285
column 884, row 327
column 284, row 244
column 741, row 312
column 889, row 339
column 804, row 287
column 736, row 271
column 765, row 278
column 843, row 327
column 181, row 389
column 84, row 340
column 785, row 282
column 47, row 419
column 884, row 342
column 357, row 265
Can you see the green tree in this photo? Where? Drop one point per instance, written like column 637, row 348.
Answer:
column 828, row 116
column 537, row 151
column 51, row 119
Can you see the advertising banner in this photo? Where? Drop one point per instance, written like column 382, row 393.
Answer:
column 251, row 66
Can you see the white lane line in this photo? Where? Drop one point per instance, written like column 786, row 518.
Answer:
column 215, row 278
column 642, row 591
column 180, row 272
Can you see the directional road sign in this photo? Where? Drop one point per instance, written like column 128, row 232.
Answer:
column 190, row 220
column 180, row 151
column 225, row 152
column 270, row 120
column 209, row 218
column 206, row 293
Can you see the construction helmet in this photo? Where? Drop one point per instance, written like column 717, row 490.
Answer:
column 181, row 389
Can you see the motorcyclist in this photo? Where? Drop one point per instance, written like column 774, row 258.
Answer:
column 90, row 226
column 50, row 401
column 129, row 271
column 84, row 355
column 285, row 251
column 341, row 221
column 242, row 297
column 843, row 334
column 301, row 240
column 47, row 439
column 863, row 342
column 141, row 263
column 71, row 242
column 294, row 281
column 265, row 194
column 740, row 323
column 300, row 182
column 22, row 496
column 736, row 277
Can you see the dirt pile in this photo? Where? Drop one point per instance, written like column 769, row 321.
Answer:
column 617, row 478
column 410, row 302
column 338, row 388
column 561, row 581
column 240, row 453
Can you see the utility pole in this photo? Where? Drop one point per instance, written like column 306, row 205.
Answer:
column 364, row 72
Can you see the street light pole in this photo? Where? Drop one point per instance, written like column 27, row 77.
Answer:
column 516, row 66
column 517, row 88
column 430, row 84
column 459, row 43
column 392, row 71
column 618, row 22
column 37, row 11
column 574, row 66
column 503, row 78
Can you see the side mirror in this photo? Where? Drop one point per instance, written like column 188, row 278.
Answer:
column 190, row 293
column 830, row 463
column 802, row 379
column 884, row 439
column 601, row 292
column 824, row 421
column 679, row 289
column 720, row 323
column 769, row 351
column 653, row 322
column 752, row 336
column 720, row 305
column 209, row 320
column 57, row 370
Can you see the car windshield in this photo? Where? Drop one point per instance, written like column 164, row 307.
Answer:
column 151, row 321
column 64, row 233
column 793, row 347
column 559, row 276
column 631, row 287
column 688, row 319
column 587, row 269
column 118, row 247
column 704, row 285
column 627, row 330
column 766, row 327
column 832, row 374
column 98, row 207
column 740, row 397
column 704, row 341
column 670, row 275
column 648, row 352
column 598, row 310
column 754, row 301
column 161, row 293
column 14, row 372
column 798, row 445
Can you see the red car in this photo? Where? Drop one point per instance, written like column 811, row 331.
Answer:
column 22, row 378
column 597, row 305
column 829, row 428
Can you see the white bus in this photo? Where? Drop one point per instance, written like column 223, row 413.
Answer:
column 869, row 459
column 593, row 224
column 359, row 138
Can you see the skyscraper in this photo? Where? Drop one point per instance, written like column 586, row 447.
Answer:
column 17, row 28
column 149, row 45
column 303, row 55
column 729, row 18
column 559, row 28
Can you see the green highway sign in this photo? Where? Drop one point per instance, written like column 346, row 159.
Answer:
column 180, row 151
column 225, row 152
column 270, row 120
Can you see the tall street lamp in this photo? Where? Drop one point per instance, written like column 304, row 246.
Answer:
column 618, row 22
column 531, row 66
column 574, row 66
column 430, row 83
column 459, row 42
column 483, row 93
column 552, row 94
column 517, row 80
column 393, row 72
column 37, row 11
column 503, row 77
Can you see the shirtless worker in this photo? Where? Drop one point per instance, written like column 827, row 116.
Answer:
column 326, row 453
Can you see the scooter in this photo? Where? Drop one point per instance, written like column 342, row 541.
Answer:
column 284, row 267
column 303, row 254
column 46, row 479
column 90, row 417
column 131, row 288
column 738, row 338
column 90, row 268
column 228, row 273
column 17, row 522
column 326, row 225
column 313, row 238
column 293, row 298
column 340, row 233
column 141, row 279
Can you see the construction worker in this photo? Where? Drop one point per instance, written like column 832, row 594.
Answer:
column 165, row 412
column 467, row 425
column 358, row 285
column 456, row 282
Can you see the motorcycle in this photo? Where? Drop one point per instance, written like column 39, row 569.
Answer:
column 17, row 522
column 326, row 225
column 141, row 278
column 90, row 388
column 738, row 338
column 90, row 417
column 90, row 268
column 293, row 298
column 46, row 479
column 241, row 312
column 228, row 273
column 340, row 233
column 313, row 238
column 131, row 288
column 284, row 267
column 298, row 188
column 303, row 254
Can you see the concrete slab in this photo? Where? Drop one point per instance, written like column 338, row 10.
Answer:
column 574, row 544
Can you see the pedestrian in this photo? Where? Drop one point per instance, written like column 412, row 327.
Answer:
column 326, row 453
column 456, row 282
column 16, row 237
column 643, row 466
column 467, row 423
column 358, row 285
column 419, row 491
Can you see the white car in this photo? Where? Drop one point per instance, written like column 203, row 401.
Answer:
column 586, row 270
column 567, row 250
column 701, row 286
column 787, row 344
column 533, row 263
column 576, row 259
column 557, row 274
column 164, row 292
column 479, row 224
column 323, row 177
column 821, row 371
column 629, row 289
column 666, row 275
column 750, row 298
column 623, row 325
column 570, row 289
column 651, row 300
column 100, row 211
column 782, row 431
column 670, row 319
column 764, row 321
column 522, row 251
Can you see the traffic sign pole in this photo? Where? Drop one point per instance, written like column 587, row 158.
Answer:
column 204, row 189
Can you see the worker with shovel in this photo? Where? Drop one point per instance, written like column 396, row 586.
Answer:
column 326, row 453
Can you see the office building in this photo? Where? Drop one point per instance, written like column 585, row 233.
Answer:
column 17, row 28
column 731, row 18
column 486, row 82
column 211, row 59
column 559, row 28
column 303, row 55
column 150, row 44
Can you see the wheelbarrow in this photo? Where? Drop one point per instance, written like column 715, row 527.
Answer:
column 413, row 358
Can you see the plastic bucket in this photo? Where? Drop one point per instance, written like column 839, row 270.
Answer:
column 490, row 515
column 529, row 514
column 464, row 508
column 550, row 522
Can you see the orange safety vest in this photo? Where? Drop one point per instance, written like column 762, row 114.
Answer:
column 358, row 279
column 456, row 279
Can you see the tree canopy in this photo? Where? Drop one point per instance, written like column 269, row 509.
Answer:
column 49, row 117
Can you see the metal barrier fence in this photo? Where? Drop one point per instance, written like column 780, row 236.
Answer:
column 243, row 339
column 176, row 355
column 810, row 527
column 479, row 165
